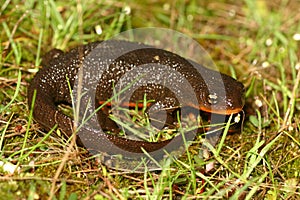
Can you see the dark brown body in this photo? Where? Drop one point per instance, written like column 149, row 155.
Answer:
column 52, row 88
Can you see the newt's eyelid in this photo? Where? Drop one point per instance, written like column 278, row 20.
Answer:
column 212, row 98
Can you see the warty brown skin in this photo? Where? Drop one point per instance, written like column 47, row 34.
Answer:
column 52, row 89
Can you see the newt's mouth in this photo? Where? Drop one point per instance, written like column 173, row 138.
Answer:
column 221, row 111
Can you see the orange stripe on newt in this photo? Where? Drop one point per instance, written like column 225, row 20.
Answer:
column 126, row 104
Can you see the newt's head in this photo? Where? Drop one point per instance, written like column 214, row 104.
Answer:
column 218, row 93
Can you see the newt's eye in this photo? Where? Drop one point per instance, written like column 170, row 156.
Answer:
column 212, row 98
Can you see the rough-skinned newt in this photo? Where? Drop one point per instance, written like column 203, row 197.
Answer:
column 214, row 92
